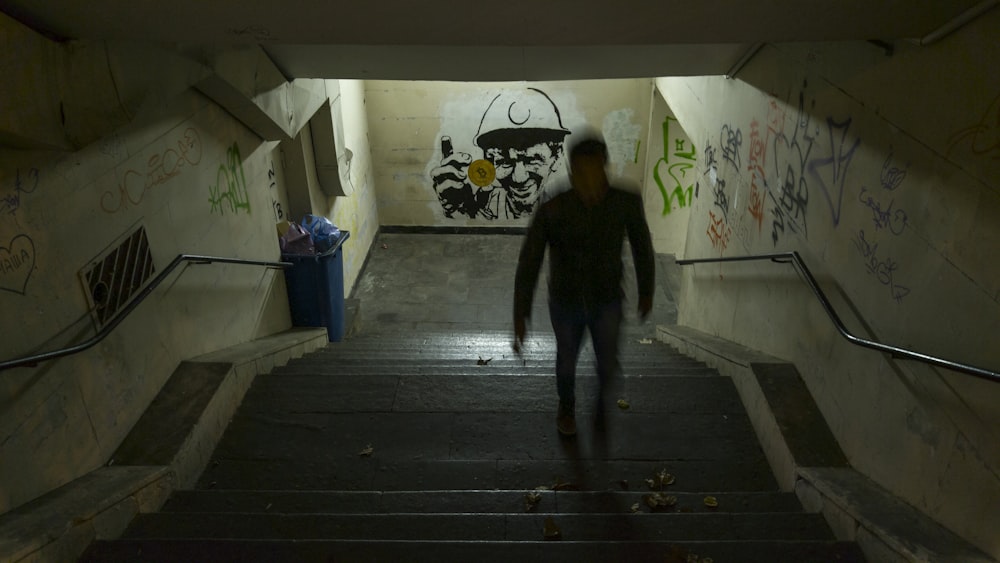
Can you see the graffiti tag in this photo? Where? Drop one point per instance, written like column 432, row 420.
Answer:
column 17, row 260
column 160, row 168
column 230, row 186
column 891, row 177
column 983, row 137
column 892, row 219
column 10, row 203
column 273, row 185
column 884, row 269
column 680, row 188
column 718, row 232
column 758, row 151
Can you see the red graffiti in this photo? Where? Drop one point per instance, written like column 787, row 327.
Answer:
column 719, row 232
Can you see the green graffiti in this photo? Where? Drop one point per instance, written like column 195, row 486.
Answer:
column 675, row 190
column 231, row 179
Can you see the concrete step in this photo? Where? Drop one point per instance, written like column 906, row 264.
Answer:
column 347, row 470
column 484, row 393
column 361, row 551
column 640, row 526
column 481, row 501
column 335, row 368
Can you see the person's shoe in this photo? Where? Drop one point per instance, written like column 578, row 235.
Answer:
column 566, row 421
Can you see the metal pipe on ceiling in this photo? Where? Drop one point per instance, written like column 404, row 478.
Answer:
column 961, row 20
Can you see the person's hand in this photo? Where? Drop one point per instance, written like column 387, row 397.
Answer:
column 645, row 306
column 520, row 331
column 450, row 179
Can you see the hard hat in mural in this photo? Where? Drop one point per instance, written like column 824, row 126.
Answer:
column 519, row 119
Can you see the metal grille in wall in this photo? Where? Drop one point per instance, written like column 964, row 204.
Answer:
column 113, row 278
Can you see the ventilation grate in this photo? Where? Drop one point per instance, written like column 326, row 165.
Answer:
column 113, row 278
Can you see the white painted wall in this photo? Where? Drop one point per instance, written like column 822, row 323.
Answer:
column 355, row 212
column 884, row 173
column 200, row 182
column 409, row 119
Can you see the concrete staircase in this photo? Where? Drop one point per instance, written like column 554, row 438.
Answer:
column 443, row 447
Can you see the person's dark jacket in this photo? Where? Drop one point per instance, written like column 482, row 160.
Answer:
column 585, row 261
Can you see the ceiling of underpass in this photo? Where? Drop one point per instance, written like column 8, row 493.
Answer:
column 514, row 40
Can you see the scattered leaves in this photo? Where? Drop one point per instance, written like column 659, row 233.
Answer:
column 665, row 478
column 531, row 500
column 384, row 246
column 659, row 501
column 367, row 451
column 623, row 404
column 635, row 508
column 645, row 341
column 551, row 530
column 651, row 483
column 711, row 502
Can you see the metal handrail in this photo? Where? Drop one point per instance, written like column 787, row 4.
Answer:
column 894, row 351
column 33, row 360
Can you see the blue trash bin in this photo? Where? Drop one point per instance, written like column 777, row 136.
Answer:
column 316, row 289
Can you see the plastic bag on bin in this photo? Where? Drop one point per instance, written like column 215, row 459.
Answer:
column 324, row 233
column 296, row 240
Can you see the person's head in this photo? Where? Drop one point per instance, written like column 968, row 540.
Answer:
column 522, row 134
column 588, row 158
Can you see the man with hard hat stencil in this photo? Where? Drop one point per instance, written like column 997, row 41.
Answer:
column 521, row 135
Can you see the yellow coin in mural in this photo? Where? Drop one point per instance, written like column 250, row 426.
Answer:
column 482, row 173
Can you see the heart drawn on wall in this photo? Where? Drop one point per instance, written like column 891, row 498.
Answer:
column 17, row 261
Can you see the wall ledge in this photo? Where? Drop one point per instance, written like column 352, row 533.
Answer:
column 144, row 472
column 857, row 509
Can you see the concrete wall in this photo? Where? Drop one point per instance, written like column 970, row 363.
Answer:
column 883, row 171
column 197, row 180
column 424, row 135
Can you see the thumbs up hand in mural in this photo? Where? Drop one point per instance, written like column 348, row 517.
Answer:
column 450, row 181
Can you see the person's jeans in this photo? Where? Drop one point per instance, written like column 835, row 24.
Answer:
column 568, row 323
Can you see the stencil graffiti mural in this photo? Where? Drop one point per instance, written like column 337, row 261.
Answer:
column 17, row 260
column 521, row 136
column 230, row 186
column 675, row 164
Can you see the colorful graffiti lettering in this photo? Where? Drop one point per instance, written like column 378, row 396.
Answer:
column 231, row 185
column 680, row 188
column 10, row 203
column 884, row 269
column 17, row 261
column 160, row 168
